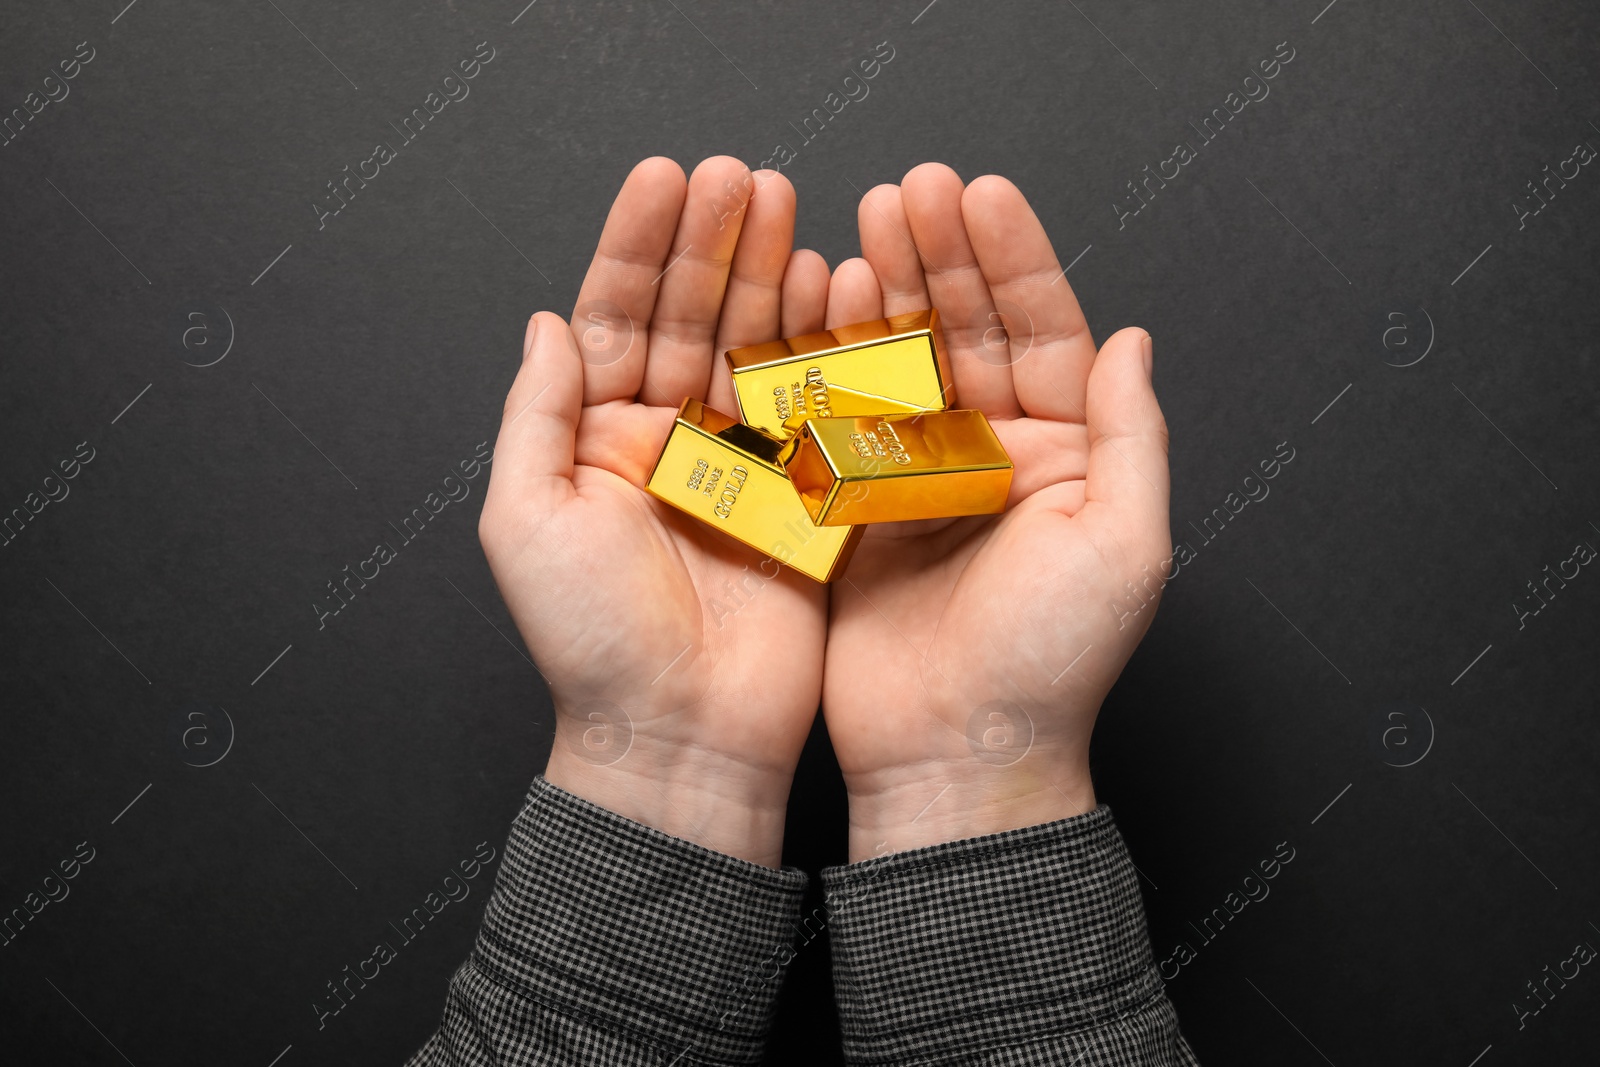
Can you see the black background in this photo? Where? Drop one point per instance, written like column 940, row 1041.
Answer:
column 1386, row 559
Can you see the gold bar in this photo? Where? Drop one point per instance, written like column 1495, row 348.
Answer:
column 889, row 468
column 868, row 368
column 731, row 477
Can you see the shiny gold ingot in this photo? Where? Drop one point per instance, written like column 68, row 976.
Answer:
column 889, row 468
column 731, row 477
column 869, row 368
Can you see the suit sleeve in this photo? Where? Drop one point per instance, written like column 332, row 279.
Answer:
column 1019, row 948
column 608, row 942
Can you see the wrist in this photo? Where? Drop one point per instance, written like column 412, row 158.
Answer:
column 903, row 808
column 708, row 798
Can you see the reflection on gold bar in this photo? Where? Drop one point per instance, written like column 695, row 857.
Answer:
column 869, row 368
column 891, row 468
column 730, row 476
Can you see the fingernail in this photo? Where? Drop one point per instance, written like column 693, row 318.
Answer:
column 1149, row 358
column 528, row 337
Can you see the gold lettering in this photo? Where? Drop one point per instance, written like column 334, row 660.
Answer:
column 730, row 491
column 817, row 386
column 711, row 481
column 896, row 450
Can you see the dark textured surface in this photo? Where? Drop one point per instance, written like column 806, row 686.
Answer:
column 1385, row 559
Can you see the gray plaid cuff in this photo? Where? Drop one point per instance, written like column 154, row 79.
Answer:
column 1027, row 946
column 638, row 933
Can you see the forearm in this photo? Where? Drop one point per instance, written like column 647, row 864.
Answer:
column 606, row 941
column 902, row 808
column 727, row 805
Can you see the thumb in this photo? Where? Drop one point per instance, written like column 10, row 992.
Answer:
column 534, row 452
column 1127, row 485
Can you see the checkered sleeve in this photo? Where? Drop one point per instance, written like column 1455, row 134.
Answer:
column 608, row 942
column 1019, row 948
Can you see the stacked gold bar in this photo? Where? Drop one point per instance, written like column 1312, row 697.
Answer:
column 840, row 428
column 869, row 368
column 890, row 468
